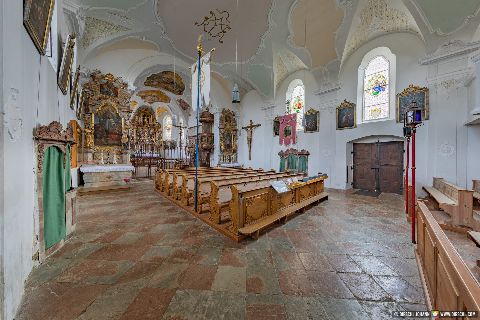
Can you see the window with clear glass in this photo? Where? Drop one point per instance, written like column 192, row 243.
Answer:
column 296, row 101
column 376, row 93
column 167, row 128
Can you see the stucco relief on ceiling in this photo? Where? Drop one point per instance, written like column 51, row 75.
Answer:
column 378, row 17
column 96, row 29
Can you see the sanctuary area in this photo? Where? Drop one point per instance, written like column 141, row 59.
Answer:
column 239, row 159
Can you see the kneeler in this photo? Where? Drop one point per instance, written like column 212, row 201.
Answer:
column 53, row 196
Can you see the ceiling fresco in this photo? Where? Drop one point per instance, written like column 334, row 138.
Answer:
column 166, row 80
column 153, row 96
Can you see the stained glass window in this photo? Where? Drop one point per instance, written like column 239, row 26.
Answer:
column 296, row 101
column 167, row 128
column 376, row 93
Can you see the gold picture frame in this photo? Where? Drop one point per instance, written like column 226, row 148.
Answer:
column 37, row 16
column 312, row 121
column 74, row 89
column 66, row 65
column 412, row 93
column 346, row 115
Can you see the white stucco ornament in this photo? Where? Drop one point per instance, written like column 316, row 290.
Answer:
column 447, row 149
column 13, row 116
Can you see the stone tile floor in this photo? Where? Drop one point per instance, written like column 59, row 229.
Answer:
column 135, row 255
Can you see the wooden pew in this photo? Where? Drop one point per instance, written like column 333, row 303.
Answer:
column 220, row 193
column 204, row 184
column 166, row 177
column 252, row 209
column 455, row 201
column 178, row 178
column 448, row 283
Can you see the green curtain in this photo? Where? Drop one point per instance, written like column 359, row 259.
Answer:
column 292, row 162
column 303, row 164
column 68, row 178
column 53, row 196
column 282, row 164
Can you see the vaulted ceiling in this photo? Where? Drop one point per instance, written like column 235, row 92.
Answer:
column 270, row 39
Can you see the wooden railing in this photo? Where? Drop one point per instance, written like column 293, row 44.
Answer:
column 449, row 283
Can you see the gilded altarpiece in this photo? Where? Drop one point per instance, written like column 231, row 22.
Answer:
column 105, row 109
column 228, row 137
column 145, row 132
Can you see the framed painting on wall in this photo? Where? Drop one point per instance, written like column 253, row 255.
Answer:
column 37, row 15
column 74, row 89
column 409, row 95
column 346, row 116
column 66, row 66
column 312, row 120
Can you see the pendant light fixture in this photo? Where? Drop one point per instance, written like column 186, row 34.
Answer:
column 235, row 91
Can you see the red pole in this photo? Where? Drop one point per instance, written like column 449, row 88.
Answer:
column 406, row 175
column 413, row 185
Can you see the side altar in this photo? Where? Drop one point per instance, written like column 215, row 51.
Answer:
column 105, row 111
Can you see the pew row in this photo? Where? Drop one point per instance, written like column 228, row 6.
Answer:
column 220, row 194
column 215, row 195
column 253, row 209
column 456, row 201
column 167, row 179
column 448, row 283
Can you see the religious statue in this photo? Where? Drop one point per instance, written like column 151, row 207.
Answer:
column 249, row 130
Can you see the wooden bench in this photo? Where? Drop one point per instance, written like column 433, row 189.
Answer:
column 221, row 192
column 475, row 236
column 253, row 209
column 447, row 281
column 476, row 190
column 455, row 201
column 188, row 183
column 168, row 178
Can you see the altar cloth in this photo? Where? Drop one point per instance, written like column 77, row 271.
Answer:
column 106, row 168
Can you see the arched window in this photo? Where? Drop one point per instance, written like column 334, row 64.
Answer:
column 296, row 101
column 376, row 89
column 167, row 128
column 181, row 123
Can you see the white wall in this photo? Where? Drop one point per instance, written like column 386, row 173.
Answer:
column 330, row 148
column 31, row 97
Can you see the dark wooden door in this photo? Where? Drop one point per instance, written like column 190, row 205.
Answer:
column 390, row 161
column 378, row 166
column 364, row 159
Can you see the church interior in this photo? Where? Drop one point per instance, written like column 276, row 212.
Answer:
column 239, row 159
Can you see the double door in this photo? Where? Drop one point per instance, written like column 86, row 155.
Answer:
column 378, row 166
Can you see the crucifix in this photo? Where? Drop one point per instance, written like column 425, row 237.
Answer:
column 249, row 130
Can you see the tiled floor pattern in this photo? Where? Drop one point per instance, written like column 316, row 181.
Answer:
column 137, row 256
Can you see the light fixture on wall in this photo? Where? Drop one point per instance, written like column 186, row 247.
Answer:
column 235, row 91
column 235, row 94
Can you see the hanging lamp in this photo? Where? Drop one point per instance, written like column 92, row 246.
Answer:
column 235, row 91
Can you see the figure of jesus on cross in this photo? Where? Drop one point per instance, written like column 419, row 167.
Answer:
column 249, row 130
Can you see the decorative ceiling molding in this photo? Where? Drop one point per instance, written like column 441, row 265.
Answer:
column 437, row 29
column 378, row 18
column 96, row 29
column 454, row 80
column 450, row 50
column 328, row 88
